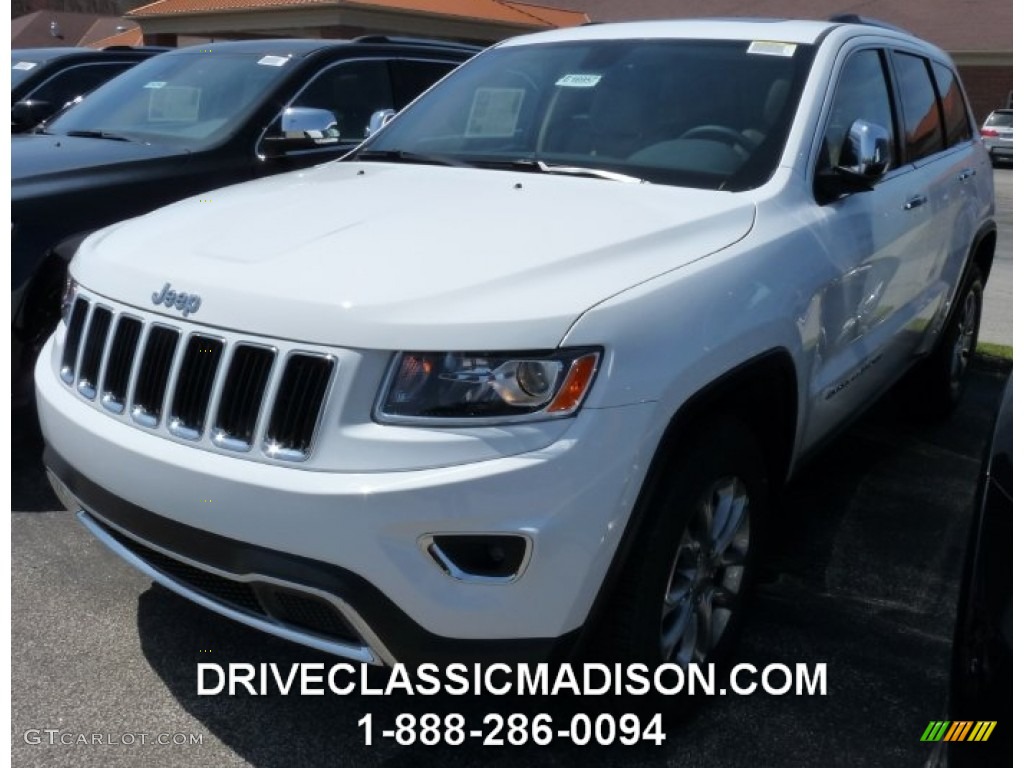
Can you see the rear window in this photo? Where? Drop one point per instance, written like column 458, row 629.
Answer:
column 1000, row 119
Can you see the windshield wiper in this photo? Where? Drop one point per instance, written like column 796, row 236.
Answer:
column 97, row 135
column 402, row 156
column 572, row 170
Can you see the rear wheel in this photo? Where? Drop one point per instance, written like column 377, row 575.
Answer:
column 685, row 585
column 937, row 385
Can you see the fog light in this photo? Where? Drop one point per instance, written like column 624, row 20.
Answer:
column 482, row 558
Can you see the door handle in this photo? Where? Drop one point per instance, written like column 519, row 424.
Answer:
column 965, row 174
column 915, row 202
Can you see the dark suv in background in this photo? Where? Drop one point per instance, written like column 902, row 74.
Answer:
column 185, row 122
column 45, row 79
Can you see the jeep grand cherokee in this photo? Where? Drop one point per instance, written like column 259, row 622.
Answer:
column 525, row 369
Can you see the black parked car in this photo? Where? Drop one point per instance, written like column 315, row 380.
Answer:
column 43, row 80
column 981, row 683
column 186, row 122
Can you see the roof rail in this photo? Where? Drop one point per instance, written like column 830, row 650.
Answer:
column 424, row 41
column 853, row 18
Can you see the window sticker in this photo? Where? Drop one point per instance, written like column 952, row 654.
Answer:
column 24, row 65
column 174, row 103
column 155, row 84
column 495, row 112
column 772, row 48
column 578, row 81
column 273, row 61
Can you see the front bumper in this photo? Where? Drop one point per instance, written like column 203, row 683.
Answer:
column 351, row 540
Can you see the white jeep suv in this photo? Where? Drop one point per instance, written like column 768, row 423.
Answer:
column 533, row 359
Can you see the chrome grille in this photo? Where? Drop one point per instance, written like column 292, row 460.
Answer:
column 154, row 374
column 243, row 394
column 192, row 385
column 120, row 358
column 195, row 383
column 92, row 355
column 291, row 426
column 76, row 324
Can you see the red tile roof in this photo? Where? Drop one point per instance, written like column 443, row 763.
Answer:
column 132, row 37
column 556, row 17
column 175, row 7
column 498, row 11
column 105, row 28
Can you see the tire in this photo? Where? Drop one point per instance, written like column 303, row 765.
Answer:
column 937, row 384
column 686, row 582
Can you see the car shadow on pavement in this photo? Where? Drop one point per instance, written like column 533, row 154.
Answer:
column 862, row 572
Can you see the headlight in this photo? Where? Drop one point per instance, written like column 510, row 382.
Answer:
column 474, row 388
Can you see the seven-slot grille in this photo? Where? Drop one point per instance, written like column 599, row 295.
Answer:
column 191, row 382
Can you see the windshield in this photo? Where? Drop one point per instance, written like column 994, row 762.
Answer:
column 185, row 98
column 711, row 114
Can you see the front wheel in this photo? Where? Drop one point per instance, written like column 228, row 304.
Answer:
column 686, row 581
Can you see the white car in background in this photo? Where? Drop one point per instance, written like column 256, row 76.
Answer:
column 997, row 135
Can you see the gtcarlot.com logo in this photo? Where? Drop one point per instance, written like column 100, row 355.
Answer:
column 958, row 730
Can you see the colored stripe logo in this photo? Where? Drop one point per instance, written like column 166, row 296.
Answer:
column 958, row 730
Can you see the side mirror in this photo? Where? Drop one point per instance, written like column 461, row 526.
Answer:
column 378, row 120
column 28, row 114
column 302, row 128
column 866, row 152
column 864, row 158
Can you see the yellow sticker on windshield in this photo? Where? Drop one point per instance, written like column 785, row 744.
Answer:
column 772, row 48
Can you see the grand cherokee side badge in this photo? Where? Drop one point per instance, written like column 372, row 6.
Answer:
column 186, row 303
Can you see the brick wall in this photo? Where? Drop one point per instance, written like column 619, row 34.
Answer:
column 987, row 88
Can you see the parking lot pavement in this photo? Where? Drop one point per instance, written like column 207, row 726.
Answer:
column 862, row 574
column 997, row 313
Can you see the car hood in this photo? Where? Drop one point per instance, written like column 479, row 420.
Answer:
column 389, row 256
column 50, row 158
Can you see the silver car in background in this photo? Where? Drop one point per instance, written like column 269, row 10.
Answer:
column 997, row 135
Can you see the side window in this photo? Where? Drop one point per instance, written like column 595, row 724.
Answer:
column 862, row 93
column 921, row 116
column 412, row 78
column 353, row 91
column 954, row 108
column 74, row 82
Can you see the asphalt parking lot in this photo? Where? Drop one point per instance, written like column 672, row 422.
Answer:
column 862, row 574
column 997, row 318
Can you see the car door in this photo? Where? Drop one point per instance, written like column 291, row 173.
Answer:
column 875, row 245
column 938, row 140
